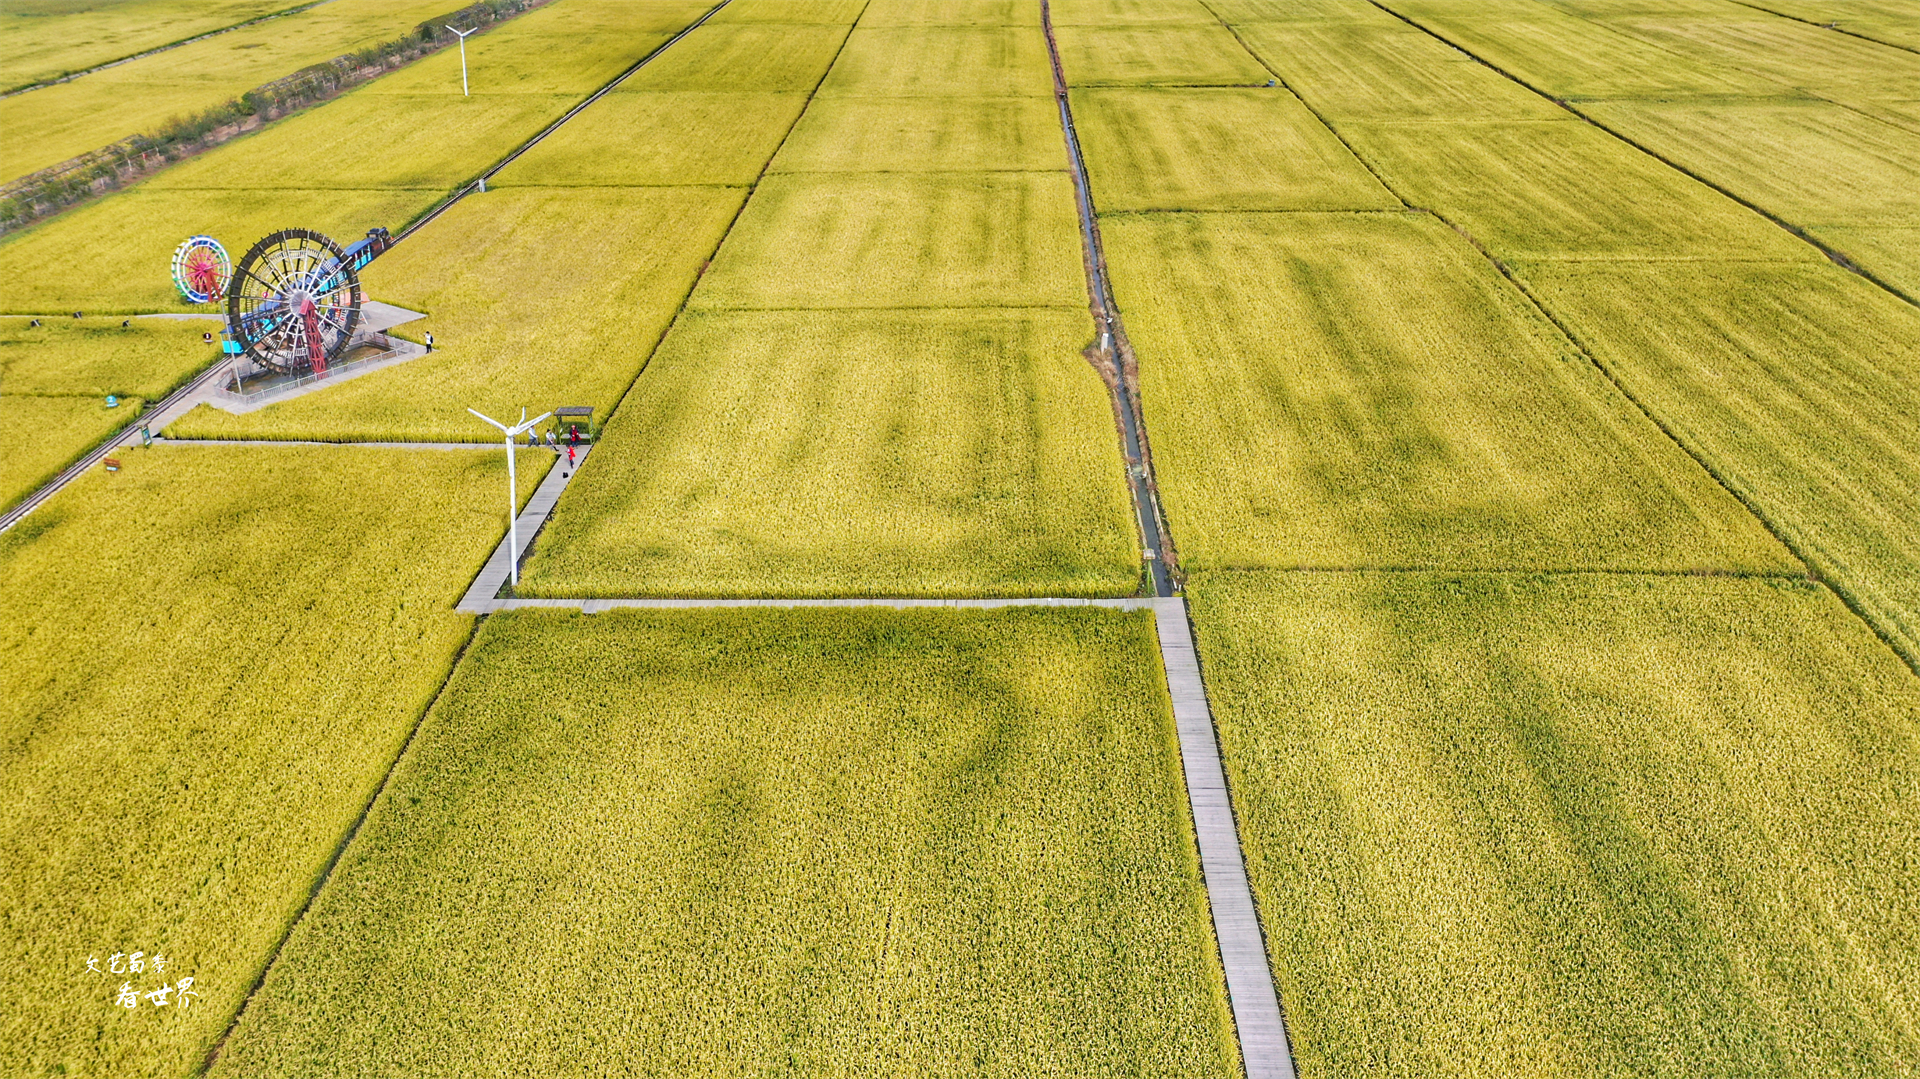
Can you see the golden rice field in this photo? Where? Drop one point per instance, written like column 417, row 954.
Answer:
column 349, row 145
column 1195, row 54
column 40, row 436
column 1812, row 126
column 537, row 297
column 1367, row 65
column 55, row 378
column 49, row 125
column 886, row 13
column 926, row 134
column 756, row 58
column 1525, row 190
column 973, row 61
column 180, row 767
column 1545, row 499
column 1573, row 826
column 46, row 39
column 599, row 38
column 943, row 453
column 1795, row 382
column 690, row 137
column 943, row 844
column 1888, row 21
column 94, row 356
column 1794, row 55
column 871, row 240
column 1556, row 49
column 1216, row 149
column 1362, row 391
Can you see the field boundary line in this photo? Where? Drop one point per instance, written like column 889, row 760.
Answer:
column 1833, row 254
column 296, row 9
column 197, row 383
column 339, row 851
column 1156, row 536
column 1835, row 27
column 599, row 605
column 1815, row 569
column 752, row 188
column 325, row 442
column 478, row 183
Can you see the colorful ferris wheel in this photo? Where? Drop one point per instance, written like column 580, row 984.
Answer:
column 201, row 269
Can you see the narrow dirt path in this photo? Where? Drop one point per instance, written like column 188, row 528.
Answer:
column 1113, row 347
column 1258, row 1024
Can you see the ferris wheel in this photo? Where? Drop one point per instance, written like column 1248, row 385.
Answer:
column 201, row 269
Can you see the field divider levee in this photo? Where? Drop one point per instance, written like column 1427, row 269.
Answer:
column 479, row 183
column 1259, row 1027
column 599, row 605
column 738, row 212
column 1835, row 27
column 1816, row 568
column 1833, row 254
column 317, row 442
column 1113, row 346
column 189, row 392
column 169, row 46
column 339, row 851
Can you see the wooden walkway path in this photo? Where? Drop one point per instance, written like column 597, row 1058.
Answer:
column 1236, row 923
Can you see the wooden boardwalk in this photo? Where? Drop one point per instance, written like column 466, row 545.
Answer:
column 1236, row 923
column 481, row 594
column 1243, row 949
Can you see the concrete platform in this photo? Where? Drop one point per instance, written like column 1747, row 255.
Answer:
column 223, row 398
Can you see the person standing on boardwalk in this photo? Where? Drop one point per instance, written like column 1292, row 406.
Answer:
column 569, row 471
column 429, row 340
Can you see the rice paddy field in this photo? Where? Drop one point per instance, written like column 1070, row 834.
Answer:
column 178, row 772
column 967, row 454
column 983, row 868
column 48, row 125
column 55, row 379
column 1573, row 826
column 49, row 39
column 1480, row 432
column 41, row 435
column 1388, row 400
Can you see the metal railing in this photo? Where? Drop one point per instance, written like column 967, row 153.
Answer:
column 274, row 385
